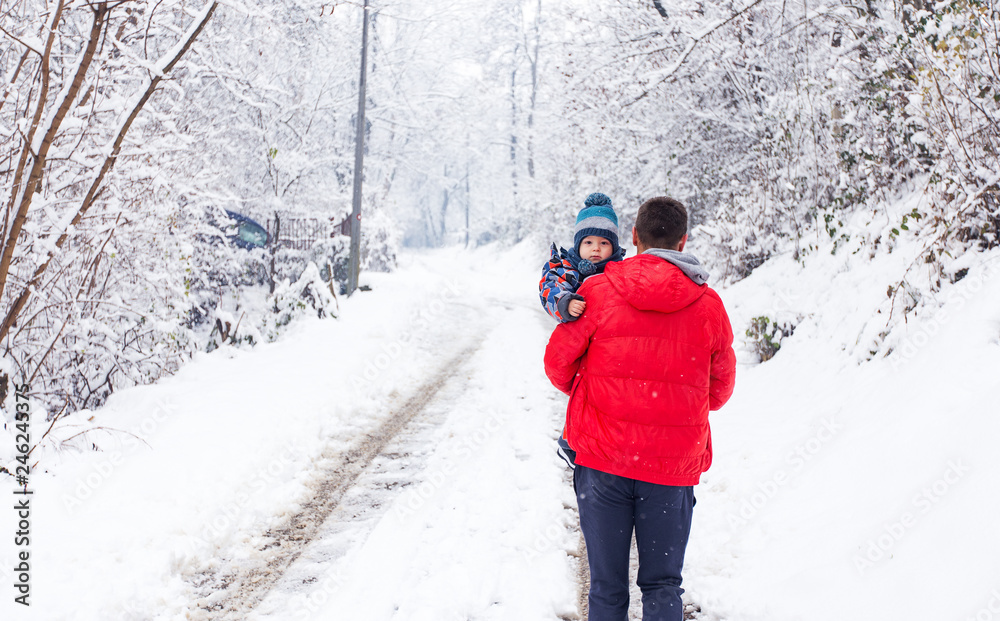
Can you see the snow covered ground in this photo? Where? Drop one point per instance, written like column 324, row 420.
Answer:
column 842, row 487
column 848, row 488
column 467, row 515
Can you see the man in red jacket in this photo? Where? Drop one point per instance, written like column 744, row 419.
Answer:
column 643, row 366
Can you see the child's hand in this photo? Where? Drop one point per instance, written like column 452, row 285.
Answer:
column 576, row 307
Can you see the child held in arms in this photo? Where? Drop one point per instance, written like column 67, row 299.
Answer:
column 595, row 244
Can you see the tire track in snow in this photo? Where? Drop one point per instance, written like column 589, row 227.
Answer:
column 234, row 589
column 582, row 577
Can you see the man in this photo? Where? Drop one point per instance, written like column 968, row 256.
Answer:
column 643, row 366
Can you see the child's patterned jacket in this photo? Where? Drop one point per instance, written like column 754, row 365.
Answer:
column 562, row 275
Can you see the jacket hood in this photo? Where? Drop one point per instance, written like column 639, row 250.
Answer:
column 652, row 282
column 688, row 263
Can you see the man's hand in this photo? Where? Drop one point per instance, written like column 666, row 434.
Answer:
column 576, row 307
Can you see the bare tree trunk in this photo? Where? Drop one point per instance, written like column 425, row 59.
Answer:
column 513, row 124
column 444, row 209
column 22, row 197
column 444, row 215
column 20, row 167
column 534, row 91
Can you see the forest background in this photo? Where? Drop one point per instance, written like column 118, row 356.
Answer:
column 128, row 128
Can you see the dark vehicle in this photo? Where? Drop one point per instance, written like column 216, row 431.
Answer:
column 224, row 271
column 248, row 234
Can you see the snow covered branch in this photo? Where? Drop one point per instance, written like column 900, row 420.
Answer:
column 100, row 11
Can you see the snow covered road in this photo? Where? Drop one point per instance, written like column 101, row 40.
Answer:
column 397, row 463
column 437, row 514
column 481, row 522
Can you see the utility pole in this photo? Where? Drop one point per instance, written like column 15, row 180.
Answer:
column 359, row 160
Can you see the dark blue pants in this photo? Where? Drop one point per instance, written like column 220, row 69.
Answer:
column 610, row 508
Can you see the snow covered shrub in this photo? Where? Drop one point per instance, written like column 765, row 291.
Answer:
column 928, row 111
column 956, row 53
column 938, row 74
column 379, row 243
column 250, row 314
column 982, row 226
column 247, row 296
column 311, row 293
column 330, row 256
column 765, row 336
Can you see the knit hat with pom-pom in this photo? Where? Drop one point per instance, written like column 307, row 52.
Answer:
column 597, row 218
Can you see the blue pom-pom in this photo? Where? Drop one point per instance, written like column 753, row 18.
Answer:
column 596, row 199
column 586, row 268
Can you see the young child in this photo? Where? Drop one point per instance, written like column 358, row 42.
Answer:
column 595, row 244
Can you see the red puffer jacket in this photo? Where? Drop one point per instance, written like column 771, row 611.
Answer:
column 643, row 366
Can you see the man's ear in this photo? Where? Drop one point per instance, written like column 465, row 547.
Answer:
column 680, row 246
column 635, row 237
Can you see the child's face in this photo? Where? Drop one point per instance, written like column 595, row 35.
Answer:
column 594, row 248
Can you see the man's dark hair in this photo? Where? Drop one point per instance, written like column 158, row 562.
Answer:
column 661, row 223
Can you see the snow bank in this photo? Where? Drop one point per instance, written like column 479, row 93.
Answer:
column 848, row 484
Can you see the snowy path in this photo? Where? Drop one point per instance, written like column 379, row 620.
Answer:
column 235, row 588
column 449, row 521
column 398, row 464
column 395, row 464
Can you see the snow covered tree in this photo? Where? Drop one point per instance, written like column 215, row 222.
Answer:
column 128, row 129
column 76, row 114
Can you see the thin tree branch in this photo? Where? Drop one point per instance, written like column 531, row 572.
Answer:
column 672, row 71
column 21, row 41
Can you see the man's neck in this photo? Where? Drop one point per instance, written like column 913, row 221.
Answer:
column 641, row 248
